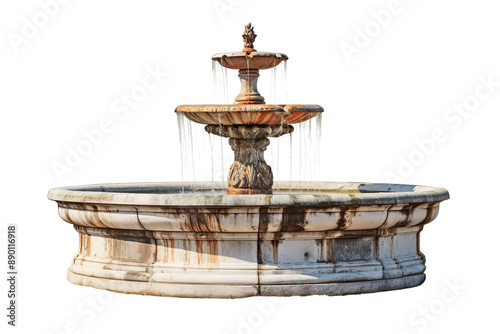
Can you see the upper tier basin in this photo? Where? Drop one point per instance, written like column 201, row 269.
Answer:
column 252, row 60
column 232, row 114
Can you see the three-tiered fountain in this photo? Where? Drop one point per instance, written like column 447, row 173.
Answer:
column 248, row 237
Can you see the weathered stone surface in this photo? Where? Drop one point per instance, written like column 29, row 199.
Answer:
column 263, row 114
column 249, row 174
column 249, row 169
column 332, row 238
column 246, row 264
column 249, row 131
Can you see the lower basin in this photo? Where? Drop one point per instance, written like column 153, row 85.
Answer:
column 193, row 240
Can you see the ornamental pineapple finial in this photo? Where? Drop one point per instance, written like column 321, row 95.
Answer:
column 249, row 37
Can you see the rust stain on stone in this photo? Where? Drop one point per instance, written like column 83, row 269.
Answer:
column 66, row 216
column 171, row 248
column 341, row 223
column 407, row 212
column 185, row 244
column 199, row 251
column 80, row 250
column 293, row 220
column 207, row 249
column 275, row 243
column 263, row 219
column 203, row 222
column 345, row 216
column 329, row 250
column 321, row 244
column 212, row 246
column 95, row 219
column 87, row 245
column 164, row 243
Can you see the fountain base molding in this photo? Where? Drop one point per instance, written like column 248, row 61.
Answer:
column 244, row 264
column 307, row 238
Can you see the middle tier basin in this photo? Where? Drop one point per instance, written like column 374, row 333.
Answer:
column 232, row 114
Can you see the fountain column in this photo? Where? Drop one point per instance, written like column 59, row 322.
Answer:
column 249, row 173
column 249, row 93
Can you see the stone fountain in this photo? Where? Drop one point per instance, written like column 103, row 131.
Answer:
column 251, row 236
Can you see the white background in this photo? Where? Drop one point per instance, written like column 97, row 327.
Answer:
column 64, row 77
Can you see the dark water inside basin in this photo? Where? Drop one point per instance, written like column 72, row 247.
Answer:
column 304, row 189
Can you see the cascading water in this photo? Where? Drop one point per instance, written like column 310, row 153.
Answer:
column 303, row 160
column 219, row 83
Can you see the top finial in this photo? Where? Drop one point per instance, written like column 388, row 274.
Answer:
column 249, row 37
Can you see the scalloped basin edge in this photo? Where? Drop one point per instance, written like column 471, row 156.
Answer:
column 233, row 114
column 254, row 60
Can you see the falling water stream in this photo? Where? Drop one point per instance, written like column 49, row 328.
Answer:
column 200, row 150
column 182, row 141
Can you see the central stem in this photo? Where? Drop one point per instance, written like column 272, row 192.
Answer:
column 249, row 93
column 249, row 173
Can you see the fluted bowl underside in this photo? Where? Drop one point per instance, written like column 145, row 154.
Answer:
column 232, row 114
column 253, row 60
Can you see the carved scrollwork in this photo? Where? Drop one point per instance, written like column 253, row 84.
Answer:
column 249, row 173
column 254, row 176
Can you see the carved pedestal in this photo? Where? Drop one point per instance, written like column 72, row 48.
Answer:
column 249, row 173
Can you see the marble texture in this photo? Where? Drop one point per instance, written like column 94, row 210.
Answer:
column 249, row 174
column 307, row 238
column 266, row 114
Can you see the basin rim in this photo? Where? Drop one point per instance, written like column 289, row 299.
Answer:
column 307, row 193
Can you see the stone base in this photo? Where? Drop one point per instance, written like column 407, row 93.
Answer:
column 235, row 265
column 235, row 291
